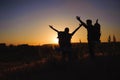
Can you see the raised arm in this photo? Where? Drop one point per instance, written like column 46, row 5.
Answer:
column 78, row 18
column 53, row 28
column 97, row 21
column 76, row 29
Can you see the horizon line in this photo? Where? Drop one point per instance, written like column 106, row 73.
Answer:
column 27, row 44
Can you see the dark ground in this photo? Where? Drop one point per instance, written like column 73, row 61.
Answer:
column 102, row 68
column 43, row 63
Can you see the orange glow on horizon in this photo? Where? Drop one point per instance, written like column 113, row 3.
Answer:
column 56, row 41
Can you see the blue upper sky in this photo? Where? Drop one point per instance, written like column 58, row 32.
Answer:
column 29, row 15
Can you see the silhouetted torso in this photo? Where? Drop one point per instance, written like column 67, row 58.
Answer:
column 91, row 33
column 97, row 32
column 64, row 39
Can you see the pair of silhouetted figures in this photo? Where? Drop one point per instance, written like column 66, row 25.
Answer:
column 65, row 38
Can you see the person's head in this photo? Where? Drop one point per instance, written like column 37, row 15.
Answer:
column 89, row 22
column 66, row 30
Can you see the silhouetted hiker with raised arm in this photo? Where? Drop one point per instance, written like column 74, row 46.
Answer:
column 90, row 35
column 65, row 42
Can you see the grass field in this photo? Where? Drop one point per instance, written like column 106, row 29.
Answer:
column 44, row 63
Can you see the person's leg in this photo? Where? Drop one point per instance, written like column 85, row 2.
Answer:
column 91, row 50
column 63, row 57
column 70, row 55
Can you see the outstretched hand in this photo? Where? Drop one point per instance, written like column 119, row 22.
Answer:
column 50, row 26
column 78, row 18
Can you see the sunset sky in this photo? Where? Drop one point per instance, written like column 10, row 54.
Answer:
column 26, row 21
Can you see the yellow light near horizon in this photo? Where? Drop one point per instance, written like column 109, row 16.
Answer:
column 56, row 40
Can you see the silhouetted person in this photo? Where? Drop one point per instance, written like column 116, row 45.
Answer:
column 90, row 35
column 97, row 32
column 65, row 42
column 97, row 35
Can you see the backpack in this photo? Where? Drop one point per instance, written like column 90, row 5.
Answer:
column 97, row 32
column 61, row 37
